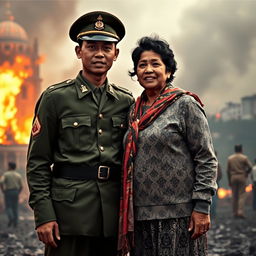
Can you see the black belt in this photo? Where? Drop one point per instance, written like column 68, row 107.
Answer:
column 85, row 172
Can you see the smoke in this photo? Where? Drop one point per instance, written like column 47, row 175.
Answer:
column 44, row 19
column 214, row 41
column 217, row 46
column 48, row 21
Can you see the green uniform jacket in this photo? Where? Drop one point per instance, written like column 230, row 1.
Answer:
column 71, row 127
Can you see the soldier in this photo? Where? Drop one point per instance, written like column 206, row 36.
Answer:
column 238, row 169
column 75, row 150
column 253, row 179
column 11, row 185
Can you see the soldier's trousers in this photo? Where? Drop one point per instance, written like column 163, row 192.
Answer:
column 11, row 206
column 83, row 246
column 238, row 184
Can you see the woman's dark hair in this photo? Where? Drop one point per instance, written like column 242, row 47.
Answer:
column 156, row 45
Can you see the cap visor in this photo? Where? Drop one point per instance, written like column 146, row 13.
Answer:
column 98, row 38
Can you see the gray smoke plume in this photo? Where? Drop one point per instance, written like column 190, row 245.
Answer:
column 49, row 22
column 44, row 19
column 218, row 46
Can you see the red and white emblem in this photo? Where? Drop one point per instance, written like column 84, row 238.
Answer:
column 36, row 128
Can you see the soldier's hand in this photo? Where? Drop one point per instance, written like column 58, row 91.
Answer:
column 199, row 224
column 48, row 233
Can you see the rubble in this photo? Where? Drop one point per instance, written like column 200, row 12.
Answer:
column 231, row 236
column 22, row 240
column 228, row 236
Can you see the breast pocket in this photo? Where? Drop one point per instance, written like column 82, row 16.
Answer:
column 76, row 133
column 119, row 127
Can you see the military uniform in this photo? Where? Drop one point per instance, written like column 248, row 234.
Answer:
column 76, row 129
column 75, row 151
column 238, row 168
column 11, row 185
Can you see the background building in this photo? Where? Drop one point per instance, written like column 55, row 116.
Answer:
column 246, row 110
column 20, row 85
column 249, row 107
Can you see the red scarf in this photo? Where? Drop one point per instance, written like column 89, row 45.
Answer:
column 137, row 122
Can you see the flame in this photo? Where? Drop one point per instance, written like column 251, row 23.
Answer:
column 12, row 77
column 217, row 116
column 248, row 188
column 222, row 192
column 41, row 59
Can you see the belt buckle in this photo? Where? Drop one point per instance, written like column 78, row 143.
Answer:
column 100, row 172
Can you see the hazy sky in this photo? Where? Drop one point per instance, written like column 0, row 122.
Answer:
column 214, row 41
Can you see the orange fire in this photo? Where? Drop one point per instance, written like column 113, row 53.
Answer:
column 12, row 76
column 222, row 192
column 40, row 60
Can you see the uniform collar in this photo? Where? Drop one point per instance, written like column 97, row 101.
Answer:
column 84, row 87
column 111, row 91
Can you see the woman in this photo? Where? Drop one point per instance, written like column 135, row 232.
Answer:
column 169, row 164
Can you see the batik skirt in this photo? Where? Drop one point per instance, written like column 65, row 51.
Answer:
column 168, row 237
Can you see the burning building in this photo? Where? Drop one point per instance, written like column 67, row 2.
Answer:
column 19, row 89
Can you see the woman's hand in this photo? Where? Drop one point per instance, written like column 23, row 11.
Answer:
column 48, row 233
column 199, row 224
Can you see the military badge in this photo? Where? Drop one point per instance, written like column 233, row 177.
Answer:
column 99, row 25
column 36, row 128
column 83, row 88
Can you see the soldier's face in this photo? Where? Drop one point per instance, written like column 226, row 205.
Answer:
column 97, row 57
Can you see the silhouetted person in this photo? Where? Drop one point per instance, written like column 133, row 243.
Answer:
column 11, row 185
column 238, row 169
column 253, row 177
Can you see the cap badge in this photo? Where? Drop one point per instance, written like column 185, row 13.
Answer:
column 99, row 25
column 83, row 88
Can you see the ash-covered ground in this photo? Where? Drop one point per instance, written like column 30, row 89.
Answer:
column 22, row 240
column 227, row 237
column 230, row 236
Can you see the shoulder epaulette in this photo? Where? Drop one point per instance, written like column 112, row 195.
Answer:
column 60, row 85
column 122, row 89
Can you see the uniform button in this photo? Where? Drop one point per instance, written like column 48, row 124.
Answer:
column 101, row 148
column 122, row 125
column 75, row 123
column 100, row 116
column 100, row 131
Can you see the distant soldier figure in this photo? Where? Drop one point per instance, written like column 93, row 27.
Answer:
column 11, row 185
column 253, row 177
column 238, row 169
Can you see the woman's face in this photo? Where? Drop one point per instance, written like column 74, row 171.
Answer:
column 151, row 71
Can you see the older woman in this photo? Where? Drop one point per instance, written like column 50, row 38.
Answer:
column 169, row 164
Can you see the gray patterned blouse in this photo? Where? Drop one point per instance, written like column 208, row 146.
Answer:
column 175, row 167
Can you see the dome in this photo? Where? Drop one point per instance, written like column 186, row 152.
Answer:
column 12, row 31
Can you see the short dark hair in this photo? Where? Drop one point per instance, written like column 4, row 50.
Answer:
column 156, row 45
column 12, row 166
column 238, row 148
